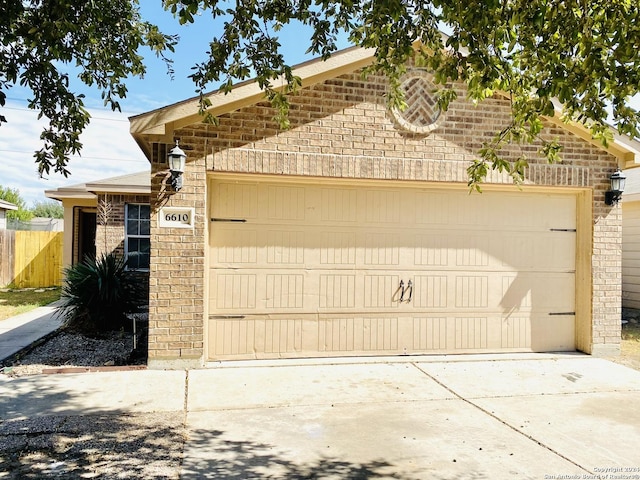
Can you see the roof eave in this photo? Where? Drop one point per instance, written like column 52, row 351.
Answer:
column 8, row 206
column 69, row 194
column 118, row 190
column 159, row 125
column 625, row 149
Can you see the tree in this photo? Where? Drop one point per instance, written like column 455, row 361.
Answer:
column 48, row 209
column 584, row 53
column 42, row 40
column 12, row 195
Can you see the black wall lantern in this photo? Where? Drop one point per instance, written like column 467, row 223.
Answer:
column 613, row 196
column 177, row 159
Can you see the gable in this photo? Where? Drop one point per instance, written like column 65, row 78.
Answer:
column 160, row 126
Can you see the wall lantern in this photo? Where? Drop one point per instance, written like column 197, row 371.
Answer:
column 177, row 159
column 613, row 196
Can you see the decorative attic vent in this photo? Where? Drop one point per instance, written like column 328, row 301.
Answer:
column 422, row 115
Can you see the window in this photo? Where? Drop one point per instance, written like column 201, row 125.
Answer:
column 137, row 236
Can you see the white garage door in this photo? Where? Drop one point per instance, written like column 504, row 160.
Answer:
column 303, row 270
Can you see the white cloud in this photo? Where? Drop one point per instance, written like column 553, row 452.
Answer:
column 108, row 150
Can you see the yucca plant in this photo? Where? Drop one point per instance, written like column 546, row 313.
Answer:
column 98, row 293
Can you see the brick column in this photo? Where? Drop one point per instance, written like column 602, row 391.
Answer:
column 177, row 270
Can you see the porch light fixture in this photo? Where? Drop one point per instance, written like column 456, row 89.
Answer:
column 613, row 196
column 177, row 159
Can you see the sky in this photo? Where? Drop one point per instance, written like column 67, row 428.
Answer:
column 108, row 148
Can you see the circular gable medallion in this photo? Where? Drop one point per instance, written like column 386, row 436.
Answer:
column 422, row 114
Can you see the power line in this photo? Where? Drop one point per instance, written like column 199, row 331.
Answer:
column 82, row 158
column 92, row 117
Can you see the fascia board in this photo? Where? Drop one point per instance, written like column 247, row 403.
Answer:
column 159, row 123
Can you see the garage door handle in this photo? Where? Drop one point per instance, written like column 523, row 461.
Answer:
column 410, row 289
column 399, row 290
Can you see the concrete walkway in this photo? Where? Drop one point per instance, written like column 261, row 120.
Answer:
column 22, row 330
column 468, row 417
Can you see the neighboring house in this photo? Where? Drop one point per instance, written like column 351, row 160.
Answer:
column 631, row 240
column 110, row 215
column 354, row 233
column 4, row 207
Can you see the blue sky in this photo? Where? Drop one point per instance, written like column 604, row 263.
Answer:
column 109, row 149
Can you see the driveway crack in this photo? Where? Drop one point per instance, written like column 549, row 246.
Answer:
column 495, row 417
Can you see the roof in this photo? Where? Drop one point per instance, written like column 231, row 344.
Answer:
column 138, row 183
column 7, row 206
column 157, row 126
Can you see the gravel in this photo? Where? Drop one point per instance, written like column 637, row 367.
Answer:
column 104, row 446
column 140, row 446
column 73, row 350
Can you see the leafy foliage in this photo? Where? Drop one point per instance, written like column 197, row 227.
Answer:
column 582, row 53
column 48, row 209
column 12, row 195
column 41, row 40
column 98, row 294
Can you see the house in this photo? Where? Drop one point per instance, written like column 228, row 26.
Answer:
column 354, row 232
column 631, row 240
column 109, row 215
column 4, row 207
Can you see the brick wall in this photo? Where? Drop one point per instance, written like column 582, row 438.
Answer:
column 177, row 271
column 110, row 219
column 342, row 128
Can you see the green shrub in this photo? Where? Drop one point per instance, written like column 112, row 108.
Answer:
column 98, row 294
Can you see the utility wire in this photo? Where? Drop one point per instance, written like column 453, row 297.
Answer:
column 92, row 117
column 81, row 157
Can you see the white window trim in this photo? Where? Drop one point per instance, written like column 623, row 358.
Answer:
column 126, row 235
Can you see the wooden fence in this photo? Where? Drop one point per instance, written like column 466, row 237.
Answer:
column 30, row 258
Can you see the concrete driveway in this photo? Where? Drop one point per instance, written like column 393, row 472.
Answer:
column 472, row 417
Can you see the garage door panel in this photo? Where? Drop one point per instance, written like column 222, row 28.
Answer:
column 339, row 206
column 276, row 336
column 233, row 245
column 234, row 291
column 337, row 291
column 338, row 248
column 314, row 247
column 285, row 247
column 381, row 248
column 258, row 337
column 542, row 251
column 549, row 293
column 431, row 291
column 431, row 250
column 552, row 333
column 516, row 332
column 308, row 270
column 235, row 200
column 381, row 291
column 358, row 334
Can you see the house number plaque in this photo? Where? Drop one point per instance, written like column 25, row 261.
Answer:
column 176, row 217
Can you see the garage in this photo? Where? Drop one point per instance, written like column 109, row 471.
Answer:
column 308, row 268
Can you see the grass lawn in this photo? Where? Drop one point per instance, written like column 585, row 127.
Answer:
column 631, row 339
column 15, row 302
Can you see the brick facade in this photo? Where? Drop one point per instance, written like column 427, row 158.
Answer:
column 110, row 220
column 342, row 129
